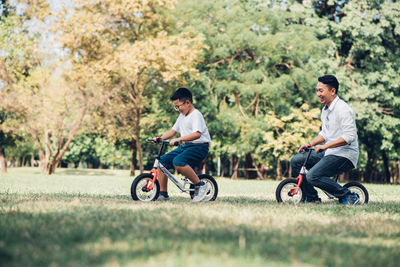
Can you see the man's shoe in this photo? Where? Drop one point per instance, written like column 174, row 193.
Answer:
column 202, row 192
column 162, row 198
column 315, row 200
column 351, row 199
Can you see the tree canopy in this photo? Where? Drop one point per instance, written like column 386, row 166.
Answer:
column 252, row 66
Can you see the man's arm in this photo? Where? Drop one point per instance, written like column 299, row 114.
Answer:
column 317, row 140
column 339, row 142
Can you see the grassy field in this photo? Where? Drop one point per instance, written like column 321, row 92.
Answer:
column 87, row 217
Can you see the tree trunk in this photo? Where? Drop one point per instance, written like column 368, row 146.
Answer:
column 3, row 164
column 235, row 161
column 43, row 161
column 278, row 169
column 386, row 171
column 58, row 156
column 133, row 158
column 250, row 174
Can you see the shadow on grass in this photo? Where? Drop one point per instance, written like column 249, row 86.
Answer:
column 91, row 236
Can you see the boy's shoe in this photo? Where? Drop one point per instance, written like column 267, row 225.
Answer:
column 315, row 200
column 351, row 199
column 162, row 198
column 201, row 192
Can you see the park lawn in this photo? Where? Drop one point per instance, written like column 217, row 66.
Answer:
column 87, row 217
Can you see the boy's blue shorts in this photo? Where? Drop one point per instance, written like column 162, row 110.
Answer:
column 188, row 154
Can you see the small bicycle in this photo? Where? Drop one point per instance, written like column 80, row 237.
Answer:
column 146, row 187
column 291, row 190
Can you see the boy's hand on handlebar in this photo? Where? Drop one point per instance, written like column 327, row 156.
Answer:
column 174, row 142
column 156, row 140
column 302, row 147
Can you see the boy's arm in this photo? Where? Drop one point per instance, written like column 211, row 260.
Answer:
column 168, row 134
column 189, row 137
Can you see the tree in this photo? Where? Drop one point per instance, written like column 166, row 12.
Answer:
column 131, row 48
column 367, row 40
column 260, row 60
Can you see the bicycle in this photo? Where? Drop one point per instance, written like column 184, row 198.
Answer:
column 290, row 190
column 145, row 187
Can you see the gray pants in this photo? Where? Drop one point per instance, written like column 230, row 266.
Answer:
column 321, row 169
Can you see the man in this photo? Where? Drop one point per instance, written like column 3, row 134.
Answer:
column 339, row 152
column 196, row 140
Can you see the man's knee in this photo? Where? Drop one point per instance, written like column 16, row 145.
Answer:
column 296, row 162
column 311, row 177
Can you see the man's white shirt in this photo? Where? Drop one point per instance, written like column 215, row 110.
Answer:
column 338, row 120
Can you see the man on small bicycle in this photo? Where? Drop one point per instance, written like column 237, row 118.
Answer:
column 196, row 140
column 339, row 152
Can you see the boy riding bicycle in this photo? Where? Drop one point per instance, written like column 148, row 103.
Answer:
column 339, row 152
column 195, row 140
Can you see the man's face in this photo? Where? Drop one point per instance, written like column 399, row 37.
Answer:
column 181, row 106
column 325, row 95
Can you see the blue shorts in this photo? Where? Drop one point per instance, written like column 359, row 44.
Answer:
column 184, row 155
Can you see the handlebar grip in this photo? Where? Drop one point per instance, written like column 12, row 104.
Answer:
column 176, row 144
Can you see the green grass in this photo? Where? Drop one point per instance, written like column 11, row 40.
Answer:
column 87, row 217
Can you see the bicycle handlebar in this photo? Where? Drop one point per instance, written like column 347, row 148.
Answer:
column 306, row 149
column 154, row 140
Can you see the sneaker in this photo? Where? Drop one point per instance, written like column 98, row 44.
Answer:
column 202, row 191
column 162, row 198
column 351, row 199
column 315, row 200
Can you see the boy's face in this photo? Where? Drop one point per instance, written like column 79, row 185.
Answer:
column 181, row 106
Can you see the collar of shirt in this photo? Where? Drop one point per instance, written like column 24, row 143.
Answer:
column 333, row 104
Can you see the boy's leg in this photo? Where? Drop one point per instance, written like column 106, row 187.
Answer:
column 167, row 161
column 297, row 162
column 320, row 175
column 163, row 179
column 192, row 154
column 188, row 172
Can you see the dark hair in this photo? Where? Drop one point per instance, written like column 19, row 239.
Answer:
column 182, row 94
column 331, row 81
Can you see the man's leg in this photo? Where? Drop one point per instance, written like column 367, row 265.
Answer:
column 329, row 166
column 297, row 162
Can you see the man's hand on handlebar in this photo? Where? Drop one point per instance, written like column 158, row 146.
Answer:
column 319, row 148
column 302, row 147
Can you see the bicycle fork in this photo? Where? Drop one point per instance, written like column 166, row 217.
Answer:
column 299, row 179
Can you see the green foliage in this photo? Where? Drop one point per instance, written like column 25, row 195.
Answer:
column 96, row 150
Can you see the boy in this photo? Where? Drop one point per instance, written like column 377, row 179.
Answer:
column 196, row 141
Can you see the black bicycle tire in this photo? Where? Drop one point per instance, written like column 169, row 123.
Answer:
column 281, row 185
column 137, row 180
column 359, row 185
column 212, row 180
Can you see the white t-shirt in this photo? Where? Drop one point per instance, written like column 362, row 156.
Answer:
column 339, row 121
column 194, row 122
